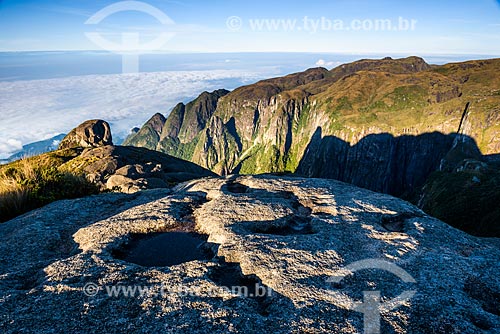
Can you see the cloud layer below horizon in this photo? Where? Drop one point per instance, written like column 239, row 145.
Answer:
column 35, row 110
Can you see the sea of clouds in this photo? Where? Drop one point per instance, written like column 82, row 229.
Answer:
column 33, row 110
column 41, row 104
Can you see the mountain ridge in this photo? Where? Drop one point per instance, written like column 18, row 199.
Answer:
column 35, row 148
column 267, row 126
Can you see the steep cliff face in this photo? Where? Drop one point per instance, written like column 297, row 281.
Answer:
column 197, row 113
column 384, row 163
column 149, row 135
column 179, row 133
column 376, row 118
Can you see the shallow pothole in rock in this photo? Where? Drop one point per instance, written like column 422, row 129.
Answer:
column 396, row 223
column 29, row 279
column 299, row 222
column 235, row 187
column 164, row 249
column 293, row 225
column 230, row 276
column 487, row 295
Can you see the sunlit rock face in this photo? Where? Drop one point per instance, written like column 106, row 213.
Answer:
column 289, row 237
column 93, row 133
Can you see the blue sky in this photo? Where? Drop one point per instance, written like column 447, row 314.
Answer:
column 442, row 27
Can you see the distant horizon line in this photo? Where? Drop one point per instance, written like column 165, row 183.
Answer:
column 267, row 52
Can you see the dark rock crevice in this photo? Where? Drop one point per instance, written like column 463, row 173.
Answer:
column 229, row 275
column 396, row 223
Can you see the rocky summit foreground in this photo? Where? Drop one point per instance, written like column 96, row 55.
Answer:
column 308, row 244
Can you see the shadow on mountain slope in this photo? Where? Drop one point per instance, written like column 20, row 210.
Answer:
column 446, row 175
column 380, row 162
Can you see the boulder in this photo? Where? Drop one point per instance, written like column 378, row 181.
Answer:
column 93, row 133
column 313, row 250
column 124, row 184
column 133, row 171
column 129, row 186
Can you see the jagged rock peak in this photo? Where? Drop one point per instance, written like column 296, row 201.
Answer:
column 149, row 135
column 188, row 120
column 157, row 122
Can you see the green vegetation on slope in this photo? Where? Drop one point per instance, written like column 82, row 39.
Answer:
column 174, row 147
column 467, row 200
column 34, row 182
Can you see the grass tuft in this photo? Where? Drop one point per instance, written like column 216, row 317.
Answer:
column 29, row 184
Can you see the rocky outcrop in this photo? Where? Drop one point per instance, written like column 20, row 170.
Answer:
column 93, row 133
column 308, row 244
column 87, row 150
column 130, row 169
column 125, row 169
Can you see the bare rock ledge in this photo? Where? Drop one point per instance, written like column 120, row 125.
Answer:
column 289, row 235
